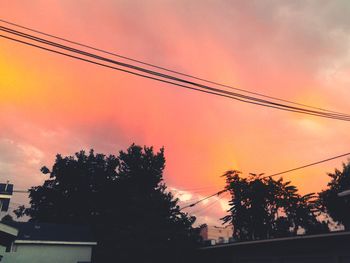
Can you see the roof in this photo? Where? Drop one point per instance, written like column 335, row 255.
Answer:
column 7, row 234
column 40, row 233
column 273, row 240
column 8, row 230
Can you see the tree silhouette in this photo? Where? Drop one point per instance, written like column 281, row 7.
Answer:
column 262, row 208
column 337, row 207
column 122, row 197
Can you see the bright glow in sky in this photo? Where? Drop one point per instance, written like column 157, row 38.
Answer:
column 297, row 50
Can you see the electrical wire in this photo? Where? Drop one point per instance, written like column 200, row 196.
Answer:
column 159, row 67
column 21, row 191
column 209, row 206
column 209, row 90
column 205, row 198
column 203, row 188
column 308, row 165
column 284, row 172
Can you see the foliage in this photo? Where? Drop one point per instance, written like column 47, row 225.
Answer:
column 262, row 207
column 122, row 197
column 337, row 207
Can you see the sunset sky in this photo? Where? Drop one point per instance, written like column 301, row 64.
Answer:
column 295, row 50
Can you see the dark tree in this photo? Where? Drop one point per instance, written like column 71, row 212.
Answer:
column 123, row 198
column 264, row 208
column 337, row 207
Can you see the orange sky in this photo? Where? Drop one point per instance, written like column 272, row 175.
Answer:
column 51, row 104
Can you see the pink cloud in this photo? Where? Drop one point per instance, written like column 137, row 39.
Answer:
column 291, row 50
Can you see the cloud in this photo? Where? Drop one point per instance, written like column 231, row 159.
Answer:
column 13, row 153
column 20, row 164
column 208, row 211
column 297, row 50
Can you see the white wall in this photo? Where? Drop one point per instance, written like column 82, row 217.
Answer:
column 31, row 253
column 216, row 233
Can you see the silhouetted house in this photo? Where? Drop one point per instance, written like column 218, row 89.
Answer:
column 8, row 235
column 323, row 248
column 215, row 234
column 49, row 243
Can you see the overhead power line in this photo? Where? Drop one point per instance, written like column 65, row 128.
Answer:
column 272, row 175
column 21, row 191
column 193, row 190
column 308, row 165
column 205, row 198
column 160, row 76
column 160, row 67
column 275, row 105
column 209, row 206
column 142, row 75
